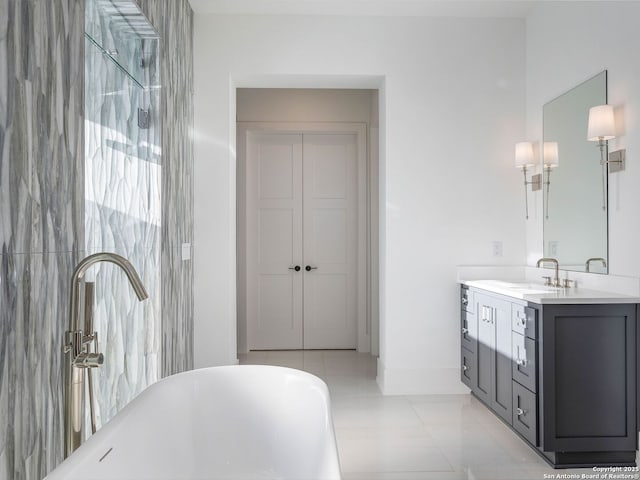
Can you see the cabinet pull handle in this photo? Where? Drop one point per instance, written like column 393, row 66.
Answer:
column 464, row 368
column 465, row 301
column 520, row 412
column 465, row 331
column 521, row 361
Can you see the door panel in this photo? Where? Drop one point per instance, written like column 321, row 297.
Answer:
column 330, row 231
column 277, row 168
column 326, row 318
column 301, row 210
column 274, row 241
column 275, row 299
column 276, row 236
column 329, row 240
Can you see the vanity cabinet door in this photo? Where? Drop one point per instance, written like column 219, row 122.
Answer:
column 525, row 414
column 469, row 331
column 501, row 398
column 524, row 320
column 524, row 361
column 494, row 354
column 468, row 370
column 467, row 302
column 589, row 378
column 485, row 351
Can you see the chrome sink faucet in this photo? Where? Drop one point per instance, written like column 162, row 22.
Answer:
column 78, row 357
column 556, row 282
column 594, row 259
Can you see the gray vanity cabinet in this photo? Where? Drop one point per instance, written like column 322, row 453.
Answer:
column 563, row 376
column 494, row 353
column 588, row 382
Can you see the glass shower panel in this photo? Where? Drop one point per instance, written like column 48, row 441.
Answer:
column 123, row 167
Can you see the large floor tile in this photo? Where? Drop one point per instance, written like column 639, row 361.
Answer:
column 370, row 411
column 414, row 437
column 389, row 450
column 351, row 385
column 446, row 411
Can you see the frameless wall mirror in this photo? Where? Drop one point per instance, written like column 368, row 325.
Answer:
column 575, row 221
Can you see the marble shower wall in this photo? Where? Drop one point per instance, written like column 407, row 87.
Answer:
column 173, row 20
column 123, row 212
column 41, row 221
column 42, row 217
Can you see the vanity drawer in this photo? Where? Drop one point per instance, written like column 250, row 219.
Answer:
column 468, row 369
column 525, row 413
column 468, row 331
column 466, row 300
column 524, row 365
column 524, row 320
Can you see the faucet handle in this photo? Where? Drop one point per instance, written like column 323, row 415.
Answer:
column 88, row 360
column 566, row 283
column 547, row 281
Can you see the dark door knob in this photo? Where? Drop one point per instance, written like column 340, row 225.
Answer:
column 296, row 268
column 308, row 268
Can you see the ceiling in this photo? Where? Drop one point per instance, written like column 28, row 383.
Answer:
column 420, row 8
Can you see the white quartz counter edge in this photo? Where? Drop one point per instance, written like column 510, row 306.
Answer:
column 562, row 296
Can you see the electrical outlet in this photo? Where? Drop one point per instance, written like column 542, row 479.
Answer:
column 496, row 249
column 553, row 248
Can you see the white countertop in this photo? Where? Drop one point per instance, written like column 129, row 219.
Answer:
column 538, row 293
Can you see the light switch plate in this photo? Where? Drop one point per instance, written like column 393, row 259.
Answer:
column 186, row 251
column 496, row 249
column 617, row 160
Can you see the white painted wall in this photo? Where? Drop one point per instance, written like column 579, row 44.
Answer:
column 451, row 102
column 567, row 43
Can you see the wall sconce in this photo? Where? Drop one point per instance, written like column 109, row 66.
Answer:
column 523, row 160
column 550, row 161
column 602, row 128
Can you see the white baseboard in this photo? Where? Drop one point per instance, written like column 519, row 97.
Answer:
column 419, row 381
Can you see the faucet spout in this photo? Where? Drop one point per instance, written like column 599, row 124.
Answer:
column 84, row 265
column 544, row 260
column 78, row 357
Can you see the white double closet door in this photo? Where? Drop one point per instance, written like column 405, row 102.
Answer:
column 301, row 241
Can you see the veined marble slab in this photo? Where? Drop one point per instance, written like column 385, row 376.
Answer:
column 42, row 219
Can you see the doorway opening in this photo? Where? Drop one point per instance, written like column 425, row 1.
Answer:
column 307, row 219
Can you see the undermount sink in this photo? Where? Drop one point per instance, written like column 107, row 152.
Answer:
column 535, row 288
column 524, row 288
column 533, row 291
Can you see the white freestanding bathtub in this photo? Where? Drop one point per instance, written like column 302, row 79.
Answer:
column 237, row 422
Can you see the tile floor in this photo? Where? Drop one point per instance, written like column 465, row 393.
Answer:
column 411, row 437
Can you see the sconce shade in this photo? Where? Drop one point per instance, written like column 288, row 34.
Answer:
column 524, row 154
column 601, row 123
column 550, row 154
